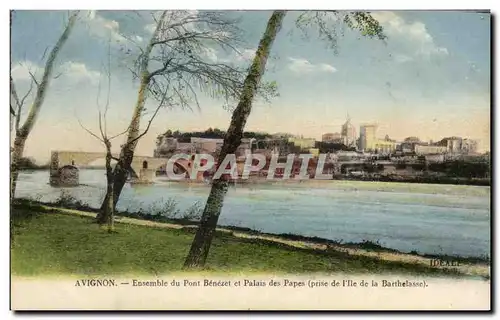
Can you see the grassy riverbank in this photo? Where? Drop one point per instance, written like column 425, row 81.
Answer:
column 51, row 241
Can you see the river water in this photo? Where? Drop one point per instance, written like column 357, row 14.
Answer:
column 434, row 219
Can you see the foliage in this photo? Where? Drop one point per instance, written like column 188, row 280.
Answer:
column 460, row 168
column 182, row 62
column 67, row 200
column 27, row 163
column 326, row 147
column 169, row 209
column 330, row 25
column 194, row 212
column 161, row 208
column 209, row 133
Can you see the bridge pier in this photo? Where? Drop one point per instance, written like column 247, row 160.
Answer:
column 145, row 176
column 65, row 176
column 54, row 169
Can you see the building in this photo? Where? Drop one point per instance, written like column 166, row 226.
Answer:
column 469, row 146
column 185, row 147
column 303, row 143
column 246, row 146
column 429, row 158
column 165, row 146
column 458, row 145
column 384, row 146
column 275, row 146
column 331, row 137
column 347, row 156
column 367, row 136
column 368, row 140
column 314, row 152
column 453, row 144
column 348, row 133
column 410, row 143
column 208, row 144
column 427, row 150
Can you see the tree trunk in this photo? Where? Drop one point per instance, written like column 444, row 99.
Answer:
column 109, row 214
column 121, row 170
column 204, row 235
column 16, row 155
column 12, row 112
column 127, row 151
column 23, row 132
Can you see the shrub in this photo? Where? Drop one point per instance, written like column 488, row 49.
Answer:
column 194, row 212
column 67, row 200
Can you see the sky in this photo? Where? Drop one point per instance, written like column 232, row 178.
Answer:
column 430, row 78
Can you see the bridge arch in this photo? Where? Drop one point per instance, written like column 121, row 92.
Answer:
column 182, row 165
column 140, row 165
column 76, row 158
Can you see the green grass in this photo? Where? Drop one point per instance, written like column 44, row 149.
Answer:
column 52, row 243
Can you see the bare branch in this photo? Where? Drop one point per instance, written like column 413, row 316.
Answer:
column 33, row 78
column 147, row 128
column 108, row 73
column 19, row 103
column 98, row 93
column 44, row 53
column 103, row 135
column 161, row 70
column 119, row 134
column 20, row 107
column 27, row 94
column 183, row 37
column 138, row 46
column 89, row 132
column 13, row 91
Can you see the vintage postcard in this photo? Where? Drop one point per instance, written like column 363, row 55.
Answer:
column 250, row 160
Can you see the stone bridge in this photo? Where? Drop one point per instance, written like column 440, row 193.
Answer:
column 143, row 167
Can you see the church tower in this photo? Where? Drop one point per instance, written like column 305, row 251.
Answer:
column 348, row 133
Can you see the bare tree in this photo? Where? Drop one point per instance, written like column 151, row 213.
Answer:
column 22, row 131
column 323, row 21
column 106, row 140
column 12, row 109
column 178, row 61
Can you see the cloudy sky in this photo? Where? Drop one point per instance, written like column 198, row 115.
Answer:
column 430, row 78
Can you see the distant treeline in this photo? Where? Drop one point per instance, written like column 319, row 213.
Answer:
column 451, row 169
column 27, row 163
column 454, row 168
column 324, row 147
column 460, row 168
column 210, row 134
column 422, row 179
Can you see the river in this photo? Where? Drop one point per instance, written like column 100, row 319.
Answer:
column 433, row 219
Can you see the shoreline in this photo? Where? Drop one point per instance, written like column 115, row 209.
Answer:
column 472, row 266
column 433, row 180
column 485, row 182
column 264, row 182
